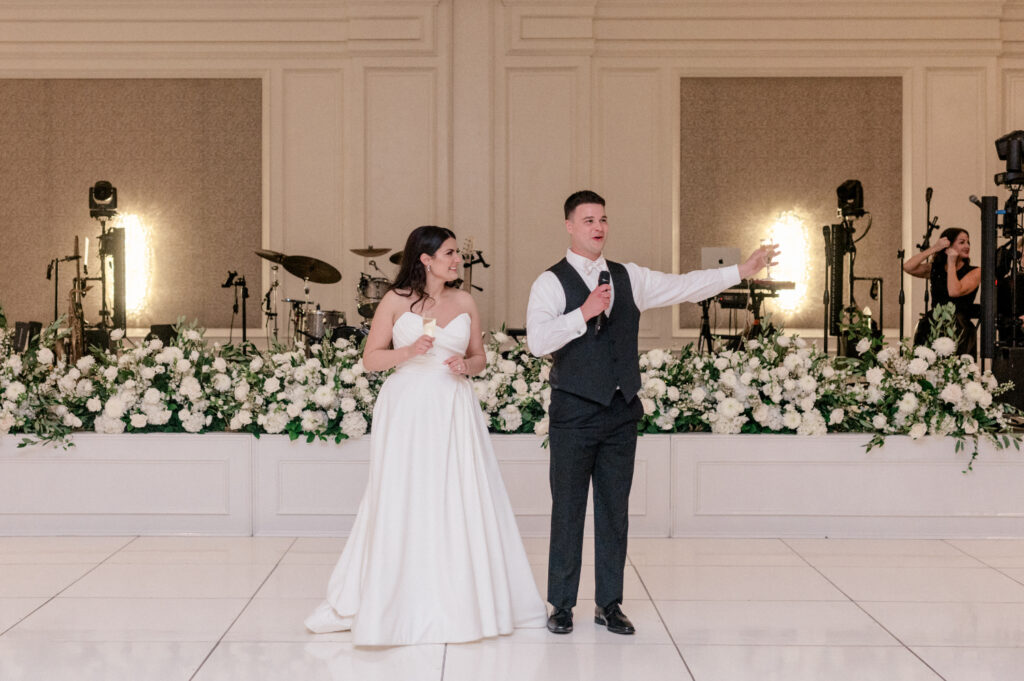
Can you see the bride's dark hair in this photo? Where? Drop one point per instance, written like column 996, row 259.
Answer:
column 412, row 275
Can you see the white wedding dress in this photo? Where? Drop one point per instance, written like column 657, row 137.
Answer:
column 435, row 554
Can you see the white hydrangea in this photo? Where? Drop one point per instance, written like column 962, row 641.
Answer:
column 221, row 383
column 792, row 419
column 353, row 424
column 45, row 356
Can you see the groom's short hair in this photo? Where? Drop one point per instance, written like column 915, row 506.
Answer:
column 579, row 198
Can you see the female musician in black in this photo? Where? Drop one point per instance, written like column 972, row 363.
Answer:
column 953, row 280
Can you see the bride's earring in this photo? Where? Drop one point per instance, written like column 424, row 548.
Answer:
column 428, row 268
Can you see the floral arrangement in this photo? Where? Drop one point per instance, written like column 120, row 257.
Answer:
column 773, row 384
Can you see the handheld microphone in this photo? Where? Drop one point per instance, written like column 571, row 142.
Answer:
column 975, row 200
column 603, row 278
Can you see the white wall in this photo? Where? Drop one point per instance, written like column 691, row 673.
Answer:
column 485, row 114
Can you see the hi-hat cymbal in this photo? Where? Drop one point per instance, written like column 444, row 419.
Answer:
column 370, row 251
column 272, row 256
column 396, row 257
column 316, row 271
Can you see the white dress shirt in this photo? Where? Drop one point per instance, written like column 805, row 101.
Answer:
column 549, row 327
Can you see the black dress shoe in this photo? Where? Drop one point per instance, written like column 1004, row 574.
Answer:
column 613, row 618
column 560, row 621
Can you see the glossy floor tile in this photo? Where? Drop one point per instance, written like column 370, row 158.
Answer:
column 329, row 661
column 706, row 609
column 975, row 664
column 805, row 663
column 881, row 553
column 821, row 623
column 130, row 619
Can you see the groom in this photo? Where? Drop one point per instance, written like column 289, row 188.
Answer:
column 590, row 330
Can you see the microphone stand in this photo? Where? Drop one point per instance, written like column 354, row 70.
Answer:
column 825, row 298
column 902, row 298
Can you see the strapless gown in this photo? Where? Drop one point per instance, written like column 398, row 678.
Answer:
column 434, row 555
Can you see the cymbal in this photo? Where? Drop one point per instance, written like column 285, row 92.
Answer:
column 316, row 271
column 272, row 256
column 370, row 251
column 396, row 257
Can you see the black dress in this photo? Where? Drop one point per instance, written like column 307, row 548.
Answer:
column 966, row 309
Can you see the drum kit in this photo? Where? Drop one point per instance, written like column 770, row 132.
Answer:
column 307, row 323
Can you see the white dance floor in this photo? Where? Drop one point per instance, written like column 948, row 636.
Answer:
column 212, row 608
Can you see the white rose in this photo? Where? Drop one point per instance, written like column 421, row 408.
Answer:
column 541, row 427
column 649, row 406
column 908, row 403
column 347, row 404
column 117, row 334
column 272, row 385
column 219, row 364
column 256, row 364
column 730, row 407
column 863, row 345
column 242, row 391
column 148, row 373
column 93, row 404
column 139, row 420
column 874, row 375
column 917, row 431
column 879, row 422
column 45, row 356
column 323, row 396
column 783, row 341
column 221, row 383
column 698, row 395
column 836, row 417
column 85, row 363
column 114, row 408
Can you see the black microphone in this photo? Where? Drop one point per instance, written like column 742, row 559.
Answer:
column 231, row 280
column 827, row 231
column 49, row 270
column 928, row 195
column 975, row 200
column 602, row 319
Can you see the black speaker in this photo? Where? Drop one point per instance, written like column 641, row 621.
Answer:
column 1008, row 365
column 97, row 338
column 165, row 332
column 25, row 332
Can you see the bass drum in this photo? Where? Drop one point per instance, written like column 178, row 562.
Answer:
column 353, row 334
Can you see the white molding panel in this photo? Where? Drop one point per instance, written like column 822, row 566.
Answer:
column 128, row 484
column 828, row 486
column 684, row 485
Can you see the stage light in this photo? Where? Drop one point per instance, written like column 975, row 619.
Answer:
column 138, row 256
column 1010, row 148
column 850, row 196
column 793, row 261
column 102, row 200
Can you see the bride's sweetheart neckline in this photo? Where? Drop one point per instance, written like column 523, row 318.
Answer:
column 445, row 326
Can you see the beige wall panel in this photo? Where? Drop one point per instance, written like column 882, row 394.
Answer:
column 312, row 192
column 541, row 163
column 1013, row 104
column 628, row 147
column 401, row 163
column 956, row 147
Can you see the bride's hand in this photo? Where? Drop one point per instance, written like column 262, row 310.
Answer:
column 422, row 345
column 457, row 364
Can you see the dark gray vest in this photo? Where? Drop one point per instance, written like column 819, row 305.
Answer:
column 594, row 365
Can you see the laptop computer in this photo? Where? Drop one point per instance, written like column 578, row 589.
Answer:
column 713, row 257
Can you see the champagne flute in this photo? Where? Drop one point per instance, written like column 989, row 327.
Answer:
column 429, row 325
column 768, row 242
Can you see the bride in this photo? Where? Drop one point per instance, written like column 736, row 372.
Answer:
column 434, row 555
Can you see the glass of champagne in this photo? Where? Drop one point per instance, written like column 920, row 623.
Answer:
column 429, row 325
column 769, row 242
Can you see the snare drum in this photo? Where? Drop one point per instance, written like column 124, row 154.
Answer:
column 320, row 323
